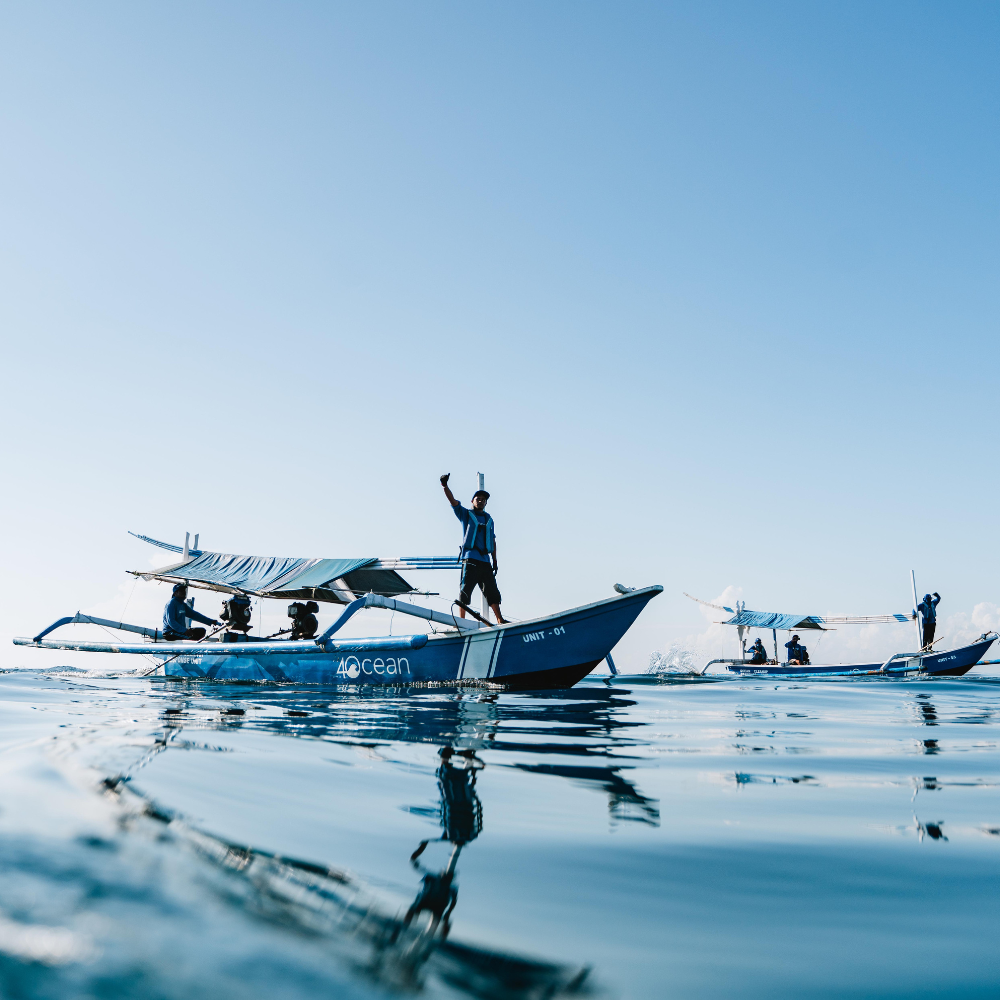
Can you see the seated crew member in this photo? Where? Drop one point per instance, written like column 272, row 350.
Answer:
column 758, row 654
column 479, row 545
column 797, row 654
column 304, row 621
column 928, row 613
column 175, row 613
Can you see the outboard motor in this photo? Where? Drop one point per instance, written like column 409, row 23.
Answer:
column 304, row 621
column 237, row 612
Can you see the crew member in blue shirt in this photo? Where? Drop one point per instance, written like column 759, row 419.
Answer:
column 928, row 614
column 797, row 654
column 479, row 549
column 758, row 654
column 175, row 613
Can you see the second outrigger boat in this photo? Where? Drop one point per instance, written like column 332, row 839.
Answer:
column 950, row 663
column 554, row 651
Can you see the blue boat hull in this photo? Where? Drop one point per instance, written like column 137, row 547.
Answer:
column 950, row 663
column 552, row 652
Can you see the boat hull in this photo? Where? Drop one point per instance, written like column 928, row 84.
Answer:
column 950, row 663
column 551, row 652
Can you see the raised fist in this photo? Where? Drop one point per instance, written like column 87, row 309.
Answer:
column 445, row 478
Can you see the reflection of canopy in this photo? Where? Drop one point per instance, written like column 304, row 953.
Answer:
column 334, row 580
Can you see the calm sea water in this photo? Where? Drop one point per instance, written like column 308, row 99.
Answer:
column 686, row 839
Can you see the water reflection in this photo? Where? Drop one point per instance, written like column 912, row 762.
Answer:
column 363, row 923
column 625, row 802
column 461, row 816
column 584, row 722
column 402, row 944
column 928, row 713
column 932, row 830
column 506, row 852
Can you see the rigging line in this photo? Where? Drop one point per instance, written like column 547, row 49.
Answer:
column 183, row 652
column 113, row 636
column 129, row 600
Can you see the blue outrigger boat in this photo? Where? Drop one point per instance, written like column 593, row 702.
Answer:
column 554, row 651
column 949, row 663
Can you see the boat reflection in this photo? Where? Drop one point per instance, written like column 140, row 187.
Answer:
column 927, row 712
column 473, row 720
column 625, row 802
column 588, row 723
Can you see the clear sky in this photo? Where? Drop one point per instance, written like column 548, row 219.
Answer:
column 707, row 290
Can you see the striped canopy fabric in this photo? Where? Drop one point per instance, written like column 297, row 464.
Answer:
column 775, row 620
column 336, row 581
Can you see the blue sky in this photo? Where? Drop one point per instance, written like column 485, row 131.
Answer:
column 708, row 291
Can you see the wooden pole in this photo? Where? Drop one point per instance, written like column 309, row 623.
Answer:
column 916, row 613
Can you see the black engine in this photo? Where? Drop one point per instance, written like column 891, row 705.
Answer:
column 237, row 612
column 304, row 621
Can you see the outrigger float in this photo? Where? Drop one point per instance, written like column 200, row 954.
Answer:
column 554, row 651
column 950, row 663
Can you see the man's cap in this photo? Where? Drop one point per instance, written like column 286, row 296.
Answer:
column 480, row 493
column 180, row 586
column 794, row 638
column 927, row 597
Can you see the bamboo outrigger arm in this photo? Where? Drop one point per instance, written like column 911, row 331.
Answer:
column 403, row 607
column 298, row 647
column 81, row 619
column 324, row 643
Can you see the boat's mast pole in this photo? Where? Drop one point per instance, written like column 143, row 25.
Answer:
column 774, row 632
column 916, row 614
column 486, row 606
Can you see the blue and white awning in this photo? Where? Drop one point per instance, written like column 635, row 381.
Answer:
column 775, row 620
column 772, row 619
column 336, row 581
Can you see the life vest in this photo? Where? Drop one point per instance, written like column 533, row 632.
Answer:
column 472, row 533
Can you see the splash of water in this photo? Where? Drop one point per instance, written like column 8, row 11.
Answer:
column 676, row 660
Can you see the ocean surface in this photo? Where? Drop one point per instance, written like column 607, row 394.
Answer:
column 644, row 838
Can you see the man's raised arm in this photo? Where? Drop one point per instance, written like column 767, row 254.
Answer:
column 447, row 490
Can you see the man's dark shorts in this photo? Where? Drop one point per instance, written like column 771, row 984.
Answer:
column 476, row 573
column 194, row 634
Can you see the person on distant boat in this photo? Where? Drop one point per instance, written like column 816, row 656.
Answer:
column 479, row 548
column 175, row 614
column 758, row 654
column 928, row 614
column 797, row 654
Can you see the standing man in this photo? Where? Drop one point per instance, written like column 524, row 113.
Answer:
column 175, row 614
column 479, row 548
column 928, row 614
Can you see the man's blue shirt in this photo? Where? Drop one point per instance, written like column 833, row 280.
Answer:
column 474, row 541
column 175, row 613
column 929, row 609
